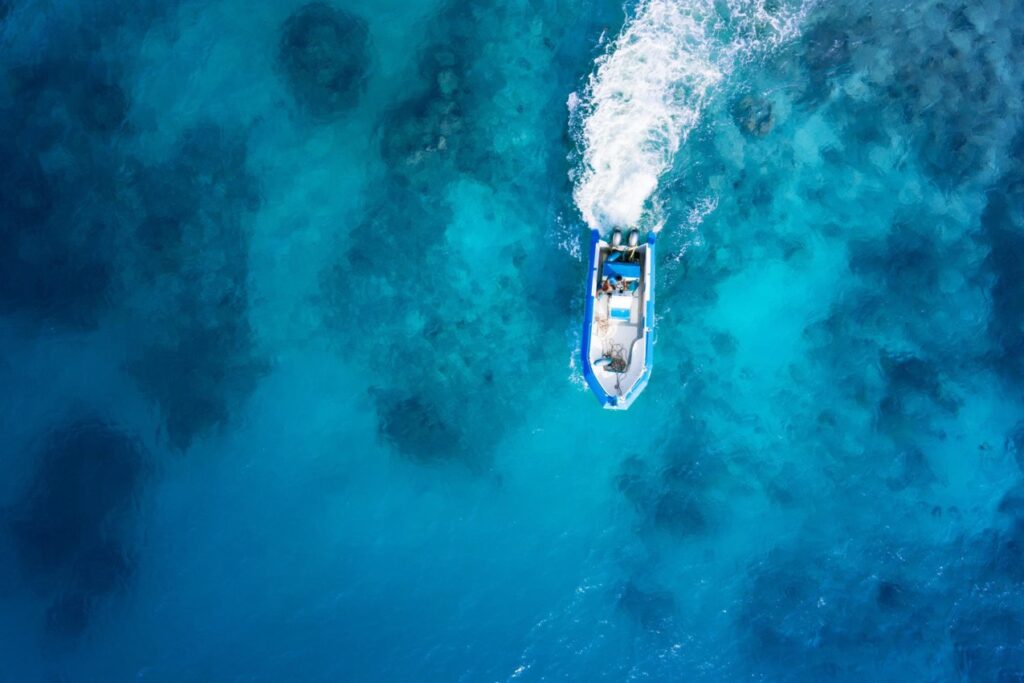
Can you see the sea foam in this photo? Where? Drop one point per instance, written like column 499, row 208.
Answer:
column 647, row 92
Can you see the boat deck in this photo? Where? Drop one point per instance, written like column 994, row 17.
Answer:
column 618, row 338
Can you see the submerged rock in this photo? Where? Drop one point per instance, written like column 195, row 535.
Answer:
column 909, row 375
column 680, row 513
column 912, row 468
column 200, row 361
column 417, row 130
column 653, row 610
column 754, row 116
column 70, row 528
column 417, row 428
column 826, row 55
column 1005, row 267
column 987, row 645
column 104, row 107
column 1014, row 444
column 325, row 56
column 56, row 221
column 890, row 595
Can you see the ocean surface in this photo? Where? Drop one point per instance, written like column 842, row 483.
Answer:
column 290, row 309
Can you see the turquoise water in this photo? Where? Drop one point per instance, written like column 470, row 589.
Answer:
column 290, row 304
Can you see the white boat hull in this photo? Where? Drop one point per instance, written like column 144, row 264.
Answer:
column 618, row 327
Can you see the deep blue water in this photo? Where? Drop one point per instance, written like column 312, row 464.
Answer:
column 290, row 301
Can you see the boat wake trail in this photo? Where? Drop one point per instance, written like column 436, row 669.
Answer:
column 649, row 88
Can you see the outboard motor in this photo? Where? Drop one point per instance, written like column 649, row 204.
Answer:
column 616, row 238
column 634, row 237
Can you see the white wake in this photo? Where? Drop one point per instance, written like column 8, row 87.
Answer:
column 648, row 91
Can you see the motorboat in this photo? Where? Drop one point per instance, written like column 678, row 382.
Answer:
column 618, row 324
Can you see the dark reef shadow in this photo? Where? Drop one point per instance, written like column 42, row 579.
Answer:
column 72, row 528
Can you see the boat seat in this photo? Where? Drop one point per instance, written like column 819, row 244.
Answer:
column 626, row 270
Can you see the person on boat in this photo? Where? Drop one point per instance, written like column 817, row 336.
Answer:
column 620, row 286
column 605, row 290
